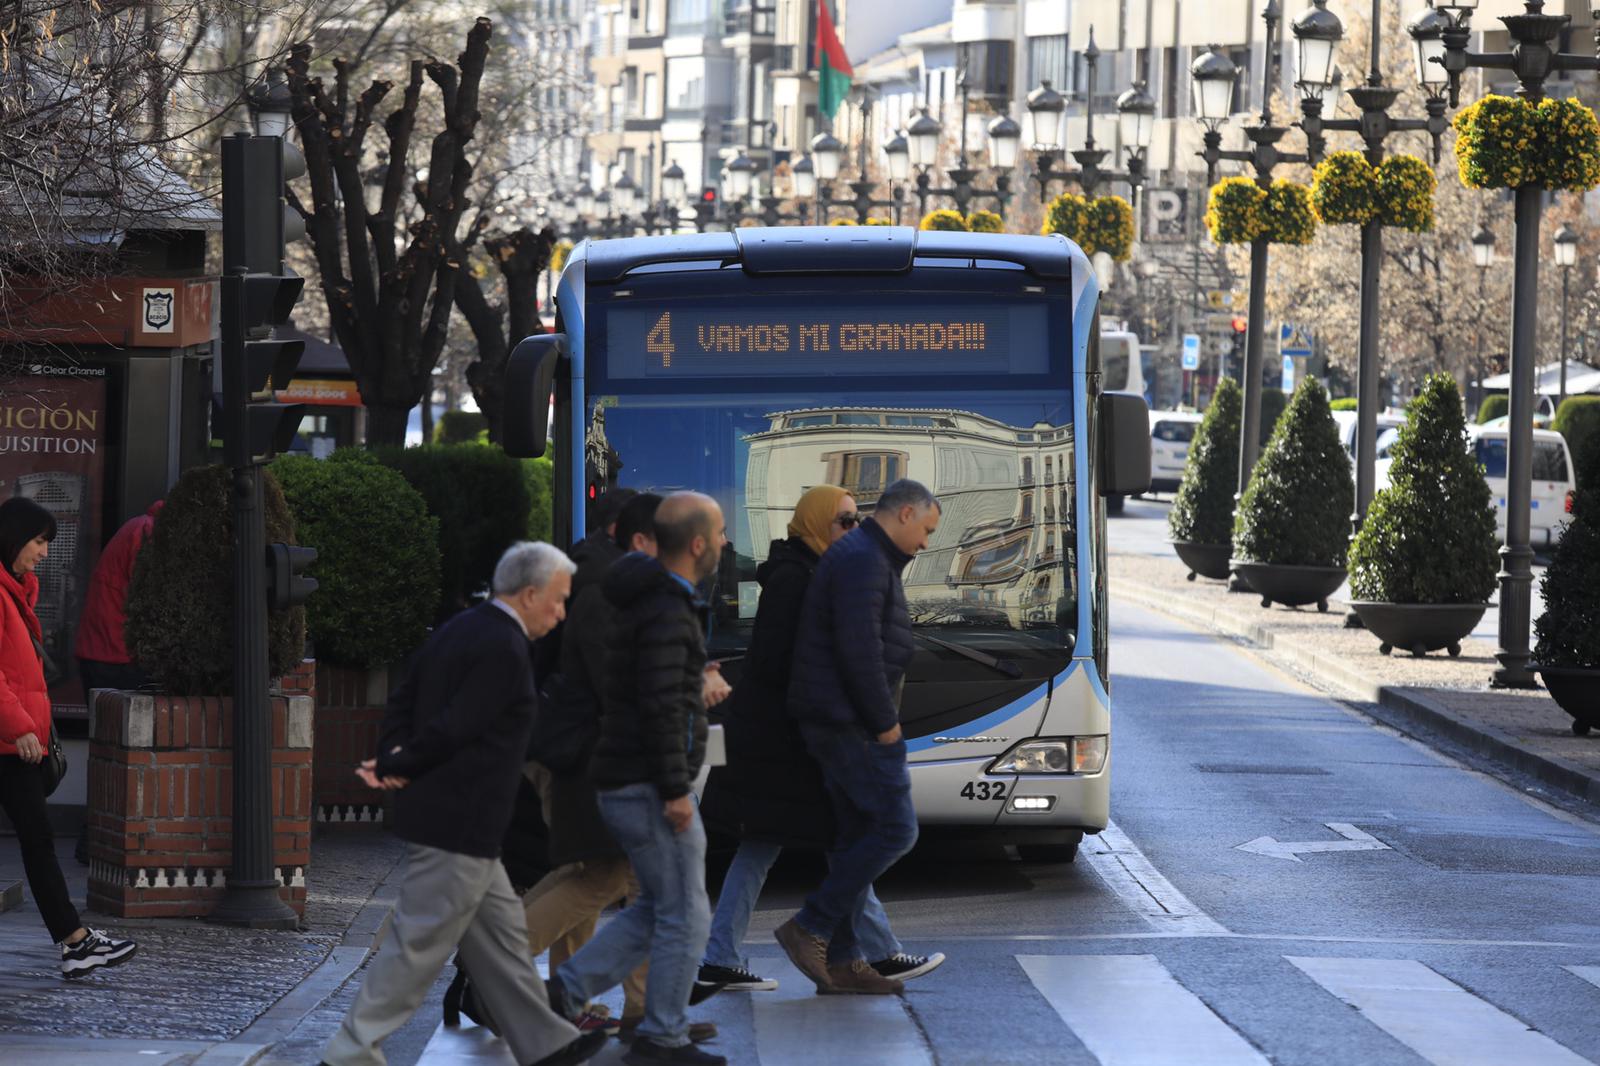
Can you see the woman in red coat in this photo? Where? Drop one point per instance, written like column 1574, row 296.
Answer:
column 26, row 530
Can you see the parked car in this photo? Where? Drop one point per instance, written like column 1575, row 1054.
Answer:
column 1171, row 432
column 1552, row 487
column 1346, row 422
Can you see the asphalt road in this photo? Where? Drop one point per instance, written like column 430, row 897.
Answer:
column 1391, row 906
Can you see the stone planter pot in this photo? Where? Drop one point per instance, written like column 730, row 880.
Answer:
column 1577, row 690
column 1419, row 627
column 1292, row 586
column 1205, row 560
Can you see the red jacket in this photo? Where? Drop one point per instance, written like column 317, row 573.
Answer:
column 100, row 626
column 24, row 697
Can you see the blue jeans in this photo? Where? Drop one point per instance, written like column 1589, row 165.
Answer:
column 741, row 887
column 869, row 786
column 667, row 924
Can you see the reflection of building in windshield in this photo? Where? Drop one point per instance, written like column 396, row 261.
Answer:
column 1004, row 551
column 601, row 462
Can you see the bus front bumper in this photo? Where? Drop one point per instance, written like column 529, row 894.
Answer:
column 958, row 793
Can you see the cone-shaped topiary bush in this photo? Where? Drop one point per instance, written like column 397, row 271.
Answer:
column 377, row 565
column 1203, row 510
column 1296, row 509
column 1569, row 629
column 180, row 603
column 1493, row 407
column 1428, row 537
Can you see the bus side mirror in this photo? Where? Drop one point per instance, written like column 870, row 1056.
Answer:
column 530, row 375
column 1124, row 444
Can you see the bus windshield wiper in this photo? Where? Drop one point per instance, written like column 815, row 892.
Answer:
column 983, row 658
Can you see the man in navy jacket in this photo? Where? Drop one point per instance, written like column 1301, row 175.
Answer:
column 851, row 653
column 453, row 743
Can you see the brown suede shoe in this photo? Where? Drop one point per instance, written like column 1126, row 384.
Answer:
column 859, row 979
column 807, row 951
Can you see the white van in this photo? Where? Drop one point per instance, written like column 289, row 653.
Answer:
column 1346, row 423
column 1171, row 433
column 1552, row 485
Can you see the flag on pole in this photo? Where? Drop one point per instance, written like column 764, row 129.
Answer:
column 833, row 67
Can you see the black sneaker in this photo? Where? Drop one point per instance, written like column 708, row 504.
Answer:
column 734, row 979
column 701, row 991
column 645, row 1050
column 903, row 967
column 581, row 1050
column 557, row 994
column 94, row 951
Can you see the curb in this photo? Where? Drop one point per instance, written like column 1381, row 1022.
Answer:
column 1406, row 708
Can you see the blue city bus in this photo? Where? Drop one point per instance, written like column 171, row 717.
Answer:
column 754, row 364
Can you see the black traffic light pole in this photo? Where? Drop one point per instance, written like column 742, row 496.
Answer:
column 256, row 292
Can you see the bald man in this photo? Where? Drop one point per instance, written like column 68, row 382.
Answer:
column 652, row 744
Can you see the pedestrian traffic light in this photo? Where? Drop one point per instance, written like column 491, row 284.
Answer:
column 258, row 292
column 1240, row 323
column 287, row 583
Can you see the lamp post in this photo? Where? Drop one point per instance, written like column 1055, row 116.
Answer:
column 923, row 146
column 1317, row 34
column 1213, row 75
column 1534, row 56
column 1566, row 242
column 1136, row 113
column 1483, row 257
column 827, row 153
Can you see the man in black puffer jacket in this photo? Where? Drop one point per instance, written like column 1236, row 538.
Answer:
column 850, row 660
column 652, row 744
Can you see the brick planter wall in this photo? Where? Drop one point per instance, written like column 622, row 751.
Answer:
column 161, row 799
column 350, row 706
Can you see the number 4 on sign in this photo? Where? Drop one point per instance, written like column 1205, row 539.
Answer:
column 659, row 340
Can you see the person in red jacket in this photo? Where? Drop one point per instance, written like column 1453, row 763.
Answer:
column 102, row 651
column 26, row 530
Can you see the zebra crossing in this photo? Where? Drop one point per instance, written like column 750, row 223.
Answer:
column 1125, row 1010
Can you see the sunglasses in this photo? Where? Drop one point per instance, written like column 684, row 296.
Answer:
column 847, row 521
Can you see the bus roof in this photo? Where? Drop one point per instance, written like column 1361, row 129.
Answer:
column 830, row 249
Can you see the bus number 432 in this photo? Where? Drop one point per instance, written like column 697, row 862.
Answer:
column 984, row 790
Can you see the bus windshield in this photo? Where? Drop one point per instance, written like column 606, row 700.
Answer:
column 966, row 391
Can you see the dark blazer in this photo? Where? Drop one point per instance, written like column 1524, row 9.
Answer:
column 771, row 789
column 653, row 722
column 854, row 641
column 461, row 721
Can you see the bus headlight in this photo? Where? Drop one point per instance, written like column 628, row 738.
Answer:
column 1054, row 755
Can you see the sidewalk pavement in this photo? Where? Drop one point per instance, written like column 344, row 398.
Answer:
column 196, row 993
column 1436, row 695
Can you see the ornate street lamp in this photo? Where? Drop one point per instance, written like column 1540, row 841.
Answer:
column 765, row 207
column 1136, row 115
column 674, row 190
column 861, row 201
column 1534, row 56
column 805, row 178
column 825, row 153
column 741, row 177
column 1213, row 74
column 625, row 194
column 1044, row 125
column 897, row 153
column 1566, row 242
column 1483, row 258
column 924, row 136
column 1317, row 34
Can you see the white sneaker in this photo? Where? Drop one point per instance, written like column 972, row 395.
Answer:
column 94, row 951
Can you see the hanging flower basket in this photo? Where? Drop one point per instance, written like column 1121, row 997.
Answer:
column 1344, row 190
column 1289, row 216
column 1505, row 142
column 1236, row 212
column 944, row 220
column 985, row 222
column 1101, row 225
column 1348, row 190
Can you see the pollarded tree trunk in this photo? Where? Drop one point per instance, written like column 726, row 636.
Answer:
column 521, row 257
column 390, row 309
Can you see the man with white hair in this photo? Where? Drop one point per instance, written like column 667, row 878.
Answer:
column 452, row 748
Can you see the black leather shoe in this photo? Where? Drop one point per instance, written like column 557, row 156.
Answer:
column 557, row 994
column 582, row 1049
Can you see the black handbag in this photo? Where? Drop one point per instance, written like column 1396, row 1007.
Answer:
column 54, row 763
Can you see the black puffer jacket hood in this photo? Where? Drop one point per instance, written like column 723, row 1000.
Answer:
column 637, row 574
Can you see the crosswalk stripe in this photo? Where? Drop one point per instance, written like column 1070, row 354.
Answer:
column 1129, row 1011
column 797, row 1027
column 1432, row 1015
column 1588, row 973
column 467, row 1046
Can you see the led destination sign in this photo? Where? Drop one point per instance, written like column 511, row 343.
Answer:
column 692, row 342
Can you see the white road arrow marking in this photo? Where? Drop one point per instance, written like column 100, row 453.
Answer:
column 1354, row 840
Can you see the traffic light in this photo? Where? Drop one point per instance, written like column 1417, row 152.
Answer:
column 1236, row 352
column 287, row 584
column 258, row 292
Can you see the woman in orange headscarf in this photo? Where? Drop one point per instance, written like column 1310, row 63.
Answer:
column 770, row 795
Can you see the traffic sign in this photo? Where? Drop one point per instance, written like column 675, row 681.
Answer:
column 1191, row 351
column 1294, row 341
column 1288, row 373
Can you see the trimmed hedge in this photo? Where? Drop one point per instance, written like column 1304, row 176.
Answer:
column 377, row 562
column 180, row 603
column 1203, row 510
column 1273, row 403
column 1578, row 420
column 1569, row 629
column 1345, row 403
column 1296, row 509
column 479, row 494
column 1493, row 407
column 459, row 427
column 1429, row 536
